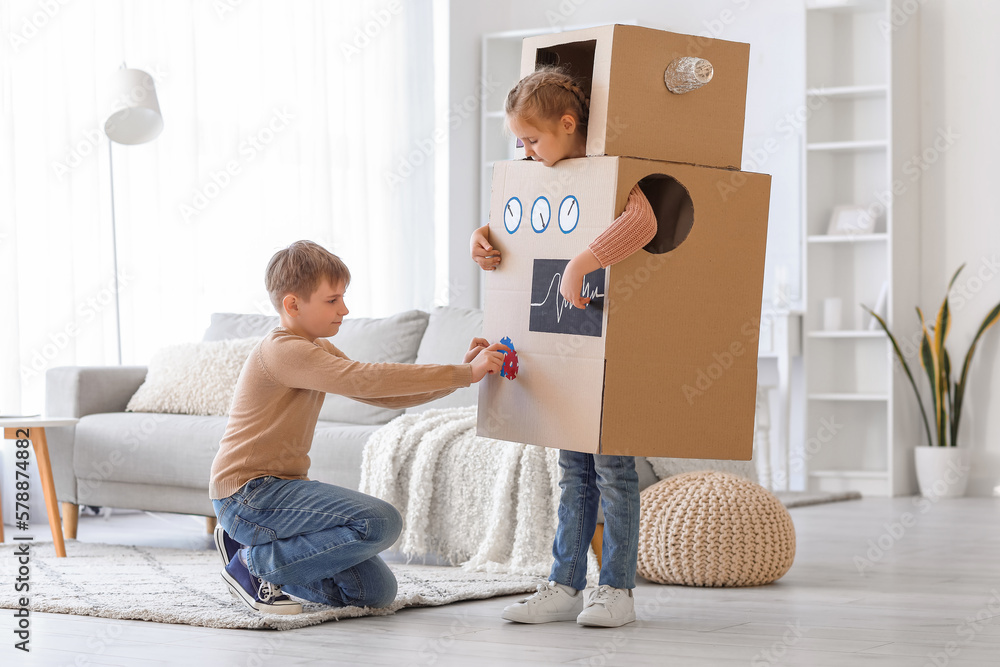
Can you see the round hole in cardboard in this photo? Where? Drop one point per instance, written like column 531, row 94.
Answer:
column 673, row 209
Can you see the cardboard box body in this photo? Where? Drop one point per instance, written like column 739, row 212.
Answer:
column 667, row 364
column 632, row 113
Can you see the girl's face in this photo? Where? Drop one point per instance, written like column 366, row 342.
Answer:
column 550, row 142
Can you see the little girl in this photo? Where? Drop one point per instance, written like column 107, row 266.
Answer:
column 547, row 110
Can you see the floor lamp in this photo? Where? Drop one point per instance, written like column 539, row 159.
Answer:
column 133, row 118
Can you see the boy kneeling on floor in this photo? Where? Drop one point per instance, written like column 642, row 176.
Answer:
column 278, row 532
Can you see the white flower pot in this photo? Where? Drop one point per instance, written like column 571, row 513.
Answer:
column 942, row 472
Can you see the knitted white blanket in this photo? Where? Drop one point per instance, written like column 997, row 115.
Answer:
column 487, row 504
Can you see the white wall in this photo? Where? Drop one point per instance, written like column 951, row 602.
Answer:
column 775, row 91
column 960, row 213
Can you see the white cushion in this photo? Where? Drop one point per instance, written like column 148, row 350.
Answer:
column 668, row 467
column 391, row 339
column 449, row 332
column 193, row 378
column 239, row 325
column 385, row 340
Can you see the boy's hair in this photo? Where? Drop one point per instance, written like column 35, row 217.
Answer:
column 299, row 269
column 546, row 94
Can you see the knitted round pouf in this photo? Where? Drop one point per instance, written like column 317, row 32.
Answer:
column 713, row 529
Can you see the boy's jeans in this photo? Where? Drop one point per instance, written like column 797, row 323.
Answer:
column 585, row 479
column 319, row 542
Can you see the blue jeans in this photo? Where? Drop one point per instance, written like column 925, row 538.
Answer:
column 319, row 542
column 585, row 479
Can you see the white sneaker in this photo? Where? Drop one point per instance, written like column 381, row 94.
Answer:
column 550, row 603
column 608, row 607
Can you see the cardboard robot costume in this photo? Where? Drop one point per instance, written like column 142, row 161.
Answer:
column 663, row 362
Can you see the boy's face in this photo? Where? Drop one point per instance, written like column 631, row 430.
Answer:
column 548, row 142
column 318, row 317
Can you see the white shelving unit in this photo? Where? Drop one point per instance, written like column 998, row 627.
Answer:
column 861, row 93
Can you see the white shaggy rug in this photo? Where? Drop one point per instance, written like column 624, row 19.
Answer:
column 489, row 505
column 183, row 586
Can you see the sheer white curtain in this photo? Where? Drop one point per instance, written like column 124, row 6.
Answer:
column 282, row 121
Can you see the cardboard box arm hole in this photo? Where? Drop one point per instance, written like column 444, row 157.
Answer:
column 674, row 210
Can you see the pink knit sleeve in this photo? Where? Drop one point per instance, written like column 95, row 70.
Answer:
column 631, row 230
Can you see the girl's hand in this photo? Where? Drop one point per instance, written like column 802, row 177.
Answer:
column 474, row 348
column 488, row 361
column 571, row 285
column 484, row 254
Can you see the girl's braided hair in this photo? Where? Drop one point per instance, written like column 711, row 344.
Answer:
column 547, row 94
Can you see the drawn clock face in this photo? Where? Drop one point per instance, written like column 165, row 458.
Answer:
column 512, row 215
column 541, row 214
column 569, row 214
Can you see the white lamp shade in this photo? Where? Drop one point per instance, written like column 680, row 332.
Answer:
column 134, row 112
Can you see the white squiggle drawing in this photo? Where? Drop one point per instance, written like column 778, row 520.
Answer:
column 588, row 292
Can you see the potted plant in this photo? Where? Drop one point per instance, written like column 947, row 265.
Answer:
column 942, row 468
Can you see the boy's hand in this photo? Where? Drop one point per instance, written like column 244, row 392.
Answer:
column 484, row 254
column 474, row 348
column 489, row 360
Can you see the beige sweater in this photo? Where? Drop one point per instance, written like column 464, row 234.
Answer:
column 281, row 390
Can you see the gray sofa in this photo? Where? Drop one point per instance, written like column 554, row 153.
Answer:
column 161, row 462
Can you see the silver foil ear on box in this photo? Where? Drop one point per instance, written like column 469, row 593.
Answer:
column 686, row 74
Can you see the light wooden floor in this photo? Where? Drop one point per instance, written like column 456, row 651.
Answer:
column 931, row 589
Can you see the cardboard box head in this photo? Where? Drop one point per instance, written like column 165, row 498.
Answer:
column 664, row 360
column 632, row 111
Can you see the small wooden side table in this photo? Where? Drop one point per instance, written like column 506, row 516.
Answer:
column 33, row 430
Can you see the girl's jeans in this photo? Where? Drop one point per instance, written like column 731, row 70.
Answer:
column 585, row 479
column 319, row 542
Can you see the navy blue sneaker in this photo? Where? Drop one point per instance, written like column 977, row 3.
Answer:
column 258, row 594
column 226, row 545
